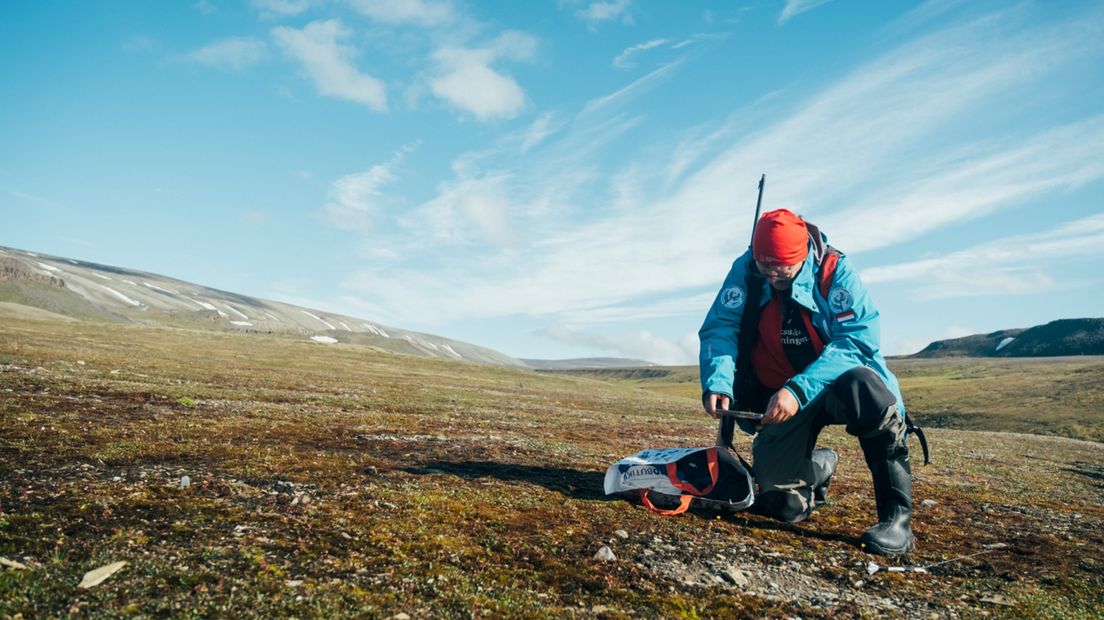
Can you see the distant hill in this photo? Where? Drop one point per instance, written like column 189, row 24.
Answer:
column 586, row 363
column 1057, row 338
column 50, row 286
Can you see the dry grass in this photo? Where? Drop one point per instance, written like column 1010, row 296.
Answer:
column 341, row 481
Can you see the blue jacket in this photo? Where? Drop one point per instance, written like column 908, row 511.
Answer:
column 846, row 321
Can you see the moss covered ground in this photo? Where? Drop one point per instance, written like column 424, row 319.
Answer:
column 343, row 481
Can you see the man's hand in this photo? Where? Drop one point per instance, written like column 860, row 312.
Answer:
column 782, row 407
column 713, row 402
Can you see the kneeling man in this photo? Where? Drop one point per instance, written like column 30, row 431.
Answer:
column 794, row 334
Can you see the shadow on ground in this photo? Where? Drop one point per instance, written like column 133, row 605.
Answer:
column 587, row 485
column 576, row 484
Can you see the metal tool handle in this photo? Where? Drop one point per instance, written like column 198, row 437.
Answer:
column 743, row 415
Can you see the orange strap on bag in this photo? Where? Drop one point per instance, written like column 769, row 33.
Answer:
column 691, row 491
column 684, row 503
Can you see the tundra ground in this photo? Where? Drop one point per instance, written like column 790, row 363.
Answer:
column 343, row 481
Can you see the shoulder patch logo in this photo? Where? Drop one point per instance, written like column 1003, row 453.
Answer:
column 732, row 297
column 840, row 300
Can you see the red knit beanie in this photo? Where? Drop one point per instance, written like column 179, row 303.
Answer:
column 781, row 238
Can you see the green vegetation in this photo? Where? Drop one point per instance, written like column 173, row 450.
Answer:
column 1044, row 396
column 343, row 481
column 1048, row 396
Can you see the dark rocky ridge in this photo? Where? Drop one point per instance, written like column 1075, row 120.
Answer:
column 1058, row 338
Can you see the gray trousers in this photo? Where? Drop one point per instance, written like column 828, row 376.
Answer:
column 784, row 471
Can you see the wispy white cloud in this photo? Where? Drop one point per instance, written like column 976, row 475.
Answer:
column 466, row 212
column 356, row 200
column 138, row 43
column 254, row 216
column 205, row 7
column 614, row 10
column 234, row 53
column 642, row 345
column 420, row 12
column 973, row 185
column 35, row 199
column 688, row 305
column 328, row 62
column 624, row 60
column 281, row 8
column 466, row 80
column 596, row 243
column 538, row 131
column 1013, row 265
column 637, row 88
column 794, row 8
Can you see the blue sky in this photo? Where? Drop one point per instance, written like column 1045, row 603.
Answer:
column 564, row 179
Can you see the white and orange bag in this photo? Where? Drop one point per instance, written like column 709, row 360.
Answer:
column 678, row 476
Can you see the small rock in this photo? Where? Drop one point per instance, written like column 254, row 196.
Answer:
column 12, row 564
column 736, row 576
column 928, row 503
column 599, row 609
column 400, row 616
column 371, row 470
column 997, row 599
column 622, row 534
column 185, row 482
column 293, row 583
column 605, row 554
column 94, row 578
column 872, row 568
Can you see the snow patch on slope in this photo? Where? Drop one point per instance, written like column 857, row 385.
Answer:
column 315, row 317
column 158, row 288
column 121, row 296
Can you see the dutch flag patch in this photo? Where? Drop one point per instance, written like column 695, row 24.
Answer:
column 845, row 317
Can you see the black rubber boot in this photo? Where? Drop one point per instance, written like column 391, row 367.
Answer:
column 825, row 460
column 889, row 467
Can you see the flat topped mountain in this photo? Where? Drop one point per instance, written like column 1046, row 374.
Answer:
column 1057, row 338
column 586, row 363
column 90, row 291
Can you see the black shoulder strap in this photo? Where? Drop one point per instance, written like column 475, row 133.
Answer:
column 828, row 264
column 919, row 432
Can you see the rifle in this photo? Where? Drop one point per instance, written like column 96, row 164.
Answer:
column 728, row 422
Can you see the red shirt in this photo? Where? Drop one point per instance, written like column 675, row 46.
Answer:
column 787, row 341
